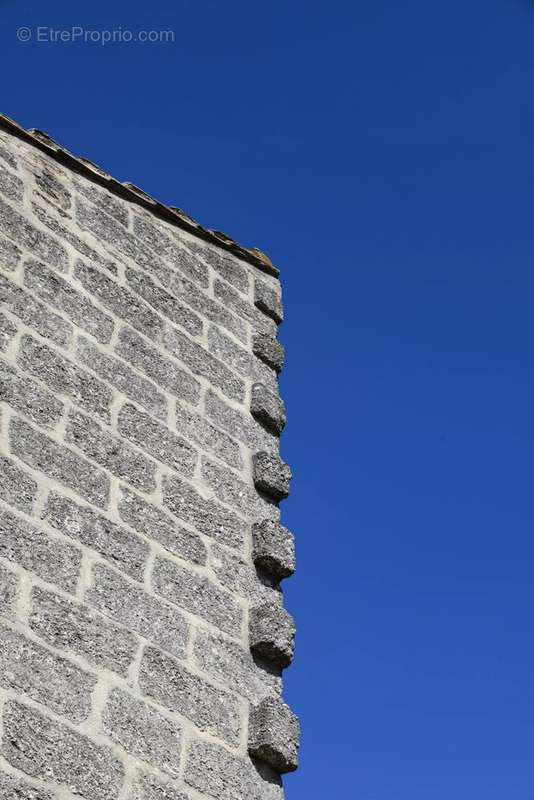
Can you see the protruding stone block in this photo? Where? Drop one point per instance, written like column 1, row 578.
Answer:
column 274, row 734
column 272, row 634
column 273, row 548
column 268, row 408
column 268, row 300
column 269, row 350
column 271, row 475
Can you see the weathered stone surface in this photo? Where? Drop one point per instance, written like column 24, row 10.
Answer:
column 18, row 391
column 130, row 605
column 8, row 157
column 272, row 633
column 52, row 182
column 274, row 733
column 78, row 630
column 178, row 689
column 11, row 186
column 149, row 787
column 9, row 255
column 270, row 350
column 224, row 263
column 17, row 488
column 273, row 548
column 236, row 493
column 123, row 549
column 268, row 300
column 193, row 426
column 7, row 332
column 271, row 475
column 197, row 594
column 165, row 303
column 46, row 749
column 29, row 669
column 8, row 593
column 34, row 549
column 239, row 424
column 237, row 574
column 104, row 201
column 37, row 242
column 168, row 248
column 227, row 350
column 14, row 788
column 143, row 731
column 268, row 408
column 34, row 313
column 244, row 309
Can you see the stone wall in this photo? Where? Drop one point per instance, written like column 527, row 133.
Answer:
column 143, row 632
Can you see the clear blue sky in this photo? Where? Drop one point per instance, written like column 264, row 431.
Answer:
column 382, row 153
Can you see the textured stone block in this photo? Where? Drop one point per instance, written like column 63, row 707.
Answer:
column 80, row 631
column 235, row 492
column 46, row 749
column 227, row 350
column 237, row 574
column 129, row 604
column 59, row 463
column 14, row 788
column 178, row 689
column 224, row 263
column 8, row 157
column 149, row 787
column 123, row 549
column 163, row 371
column 7, row 332
column 51, row 182
column 18, row 391
column 111, row 451
column 17, row 488
column 244, row 309
column 34, row 313
column 272, row 633
column 39, row 243
column 274, row 734
column 269, row 350
column 154, row 438
column 207, row 516
column 123, row 378
column 197, row 594
column 8, row 592
column 35, row 550
column 193, row 426
column 29, row 669
column 155, row 236
column 268, row 408
column 273, row 548
column 143, row 731
column 165, row 303
column 104, row 201
column 239, row 424
column 53, row 289
column 9, row 255
column 271, row 475
column 268, row 300
column 11, row 186
column 63, row 377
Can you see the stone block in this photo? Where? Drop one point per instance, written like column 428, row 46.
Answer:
column 268, row 408
column 17, row 488
column 273, row 548
column 274, row 734
column 272, row 633
column 271, row 475
column 269, row 350
column 33, row 313
column 268, row 300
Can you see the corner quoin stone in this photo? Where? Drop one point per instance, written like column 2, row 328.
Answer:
column 274, row 734
column 267, row 408
column 271, row 475
column 272, row 634
column 273, row 548
column 269, row 350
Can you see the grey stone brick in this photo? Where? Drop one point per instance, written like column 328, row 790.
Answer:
column 52, row 182
column 143, row 731
column 10, row 255
column 148, row 787
column 238, row 575
column 164, row 302
column 214, row 771
column 8, row 157
column 207, row 516
column 11, row 186
column 46, row 749
column 207, row 306
column 64, row 377
column 228, row 351
column 197, row 594
column 271, row 475
column 37, row 242
column 154, row 438
column 157, row 525
column 14, row 788
column 130, row 605
column 110, row 451
column 119, row 374
column 28, row 668
column 272, row 633
column 8, row 593
column 20, row 392
column 224, row 263
column 36, row 550
column 163, row 371
column 103, row 200
column 268, row 300
column 80, row 631
column 155, row 236
column 240, row 495
column 261, row 373
column 178, row 689
column 268, row 408
column 54, row 290
column 273, row 548
column 7, row 332
column 239, row 425
column 244, row 309
column 67, row 235
column 196, row 428
column 56, row 461
column 202, row 363
column 274, row 734
column 17, row 488
column 34, row 313
column 269, row 350
column 121, row 547
column 124, row 303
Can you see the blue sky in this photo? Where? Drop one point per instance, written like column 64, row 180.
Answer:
column 381, row 153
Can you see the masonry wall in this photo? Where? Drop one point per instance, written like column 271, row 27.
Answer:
column 142, row 627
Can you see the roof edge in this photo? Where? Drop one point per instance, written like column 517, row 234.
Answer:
column 129, row 191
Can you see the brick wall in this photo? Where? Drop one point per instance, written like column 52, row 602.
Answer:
column 143, row 632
